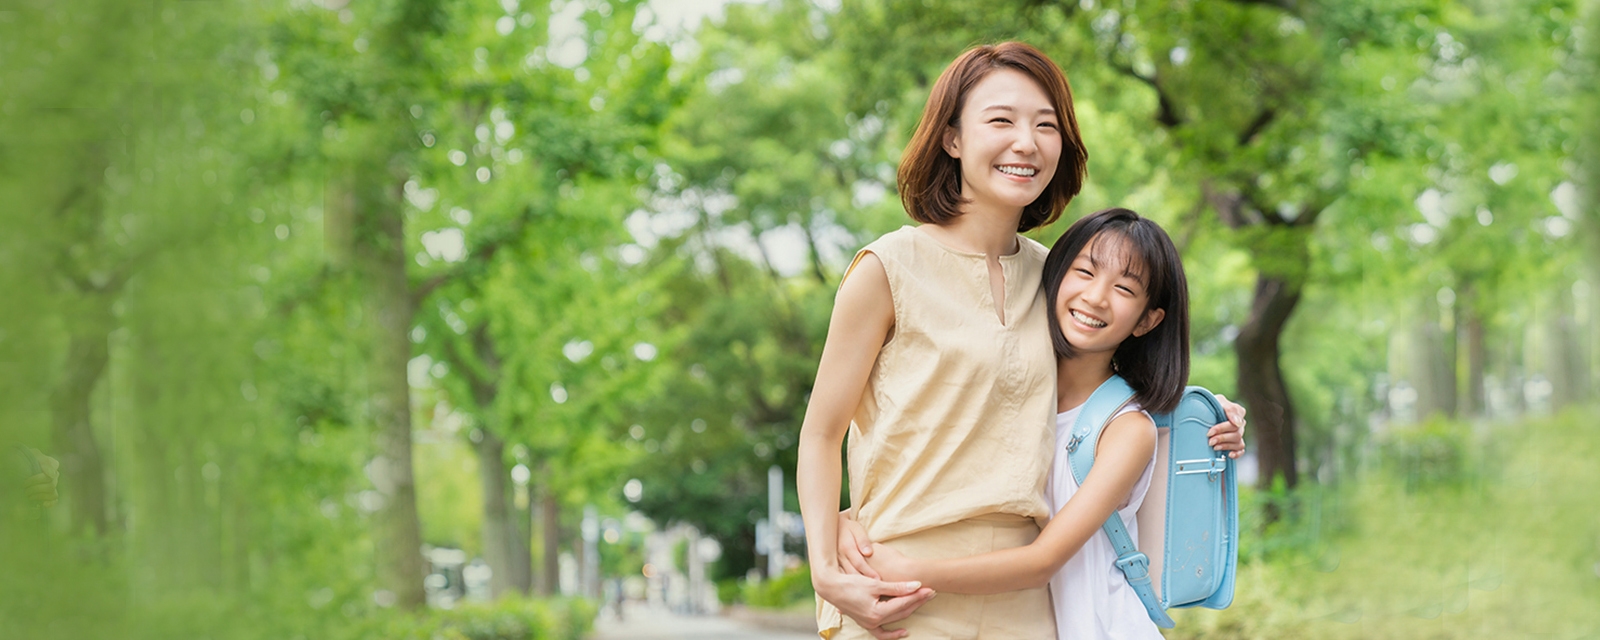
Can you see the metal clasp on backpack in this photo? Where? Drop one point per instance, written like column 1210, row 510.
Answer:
column 1212, row 467
column 1136, row 566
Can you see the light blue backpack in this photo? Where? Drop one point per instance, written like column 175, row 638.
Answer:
column 1189, row 521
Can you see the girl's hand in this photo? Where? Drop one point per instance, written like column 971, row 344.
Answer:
column 1229, row 436
column 889, row 562
column 854, row 547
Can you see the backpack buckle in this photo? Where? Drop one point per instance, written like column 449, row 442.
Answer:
column 1072, row 444
column 1212, row 467
column 1136, row 566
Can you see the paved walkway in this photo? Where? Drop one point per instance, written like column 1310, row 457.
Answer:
column 645, row 623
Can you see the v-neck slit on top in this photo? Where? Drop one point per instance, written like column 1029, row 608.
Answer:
column 957, row 415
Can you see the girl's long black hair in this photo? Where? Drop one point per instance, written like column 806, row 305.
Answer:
column 1155, row 364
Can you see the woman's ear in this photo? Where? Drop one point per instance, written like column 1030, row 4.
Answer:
column 1151, row 319
column 952, row 142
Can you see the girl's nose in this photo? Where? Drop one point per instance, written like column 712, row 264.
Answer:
column 1096, row 294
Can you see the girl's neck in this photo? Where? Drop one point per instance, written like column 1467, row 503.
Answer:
column 1078, row 377
column 987, row 230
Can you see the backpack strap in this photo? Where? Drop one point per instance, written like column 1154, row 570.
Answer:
column 1105, row 402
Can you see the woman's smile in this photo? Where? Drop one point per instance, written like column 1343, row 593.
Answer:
column 1018, row 172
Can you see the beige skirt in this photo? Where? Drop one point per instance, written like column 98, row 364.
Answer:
column 1024, row 614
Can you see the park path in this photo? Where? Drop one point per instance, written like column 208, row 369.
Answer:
column 649, row 623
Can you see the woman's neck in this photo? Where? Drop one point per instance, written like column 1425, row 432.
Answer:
column 1078, row 377
column 986, row 230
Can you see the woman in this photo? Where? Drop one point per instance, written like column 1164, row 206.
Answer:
column 938, row 360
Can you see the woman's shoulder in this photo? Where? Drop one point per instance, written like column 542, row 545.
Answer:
column 898, row 238
column 893, row 247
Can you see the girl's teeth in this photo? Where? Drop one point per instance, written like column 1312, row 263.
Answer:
column 1088, row 320
column 1018, row 171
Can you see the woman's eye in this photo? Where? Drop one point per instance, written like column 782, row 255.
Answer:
column 999, row 121
column 1048, row 125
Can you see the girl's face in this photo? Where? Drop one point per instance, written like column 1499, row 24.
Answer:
column 1008, row 141
column 1102, row 299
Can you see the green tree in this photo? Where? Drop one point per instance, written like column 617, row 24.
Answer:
column 764, row 184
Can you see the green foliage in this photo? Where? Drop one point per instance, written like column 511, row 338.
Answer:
column 728, row 590
column 1509, row 557
column 507, row 619
column 615, row 306
column 1436, row 453
column 789, row 589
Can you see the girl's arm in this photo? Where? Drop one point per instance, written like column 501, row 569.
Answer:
column 1123, row 452
column 863, row 315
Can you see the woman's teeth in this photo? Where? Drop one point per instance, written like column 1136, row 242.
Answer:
column 1019, row 171
column 1087, row 320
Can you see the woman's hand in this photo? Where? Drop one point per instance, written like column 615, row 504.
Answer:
column 1229, row 436
column 854, row 547
column 871, row 603
column 889, row 562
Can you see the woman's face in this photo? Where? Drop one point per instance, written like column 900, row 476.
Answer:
column 1008, row 141
column 1100, row 303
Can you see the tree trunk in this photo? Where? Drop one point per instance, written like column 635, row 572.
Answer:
column 378, row 254
column 83, row 473
column 1444, row 361
column 521, row 546
column 1470, row 330
column 1563, row 355
column 550, row 519
column 1261, row 384
column 1433, row 365
column 497, row 524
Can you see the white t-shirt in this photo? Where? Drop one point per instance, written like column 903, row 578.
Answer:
column 1092, row 598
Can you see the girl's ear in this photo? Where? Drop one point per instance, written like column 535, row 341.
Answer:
column 1151, row 319
column 952, row 142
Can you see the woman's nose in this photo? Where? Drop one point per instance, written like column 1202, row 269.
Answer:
column 1023, row 143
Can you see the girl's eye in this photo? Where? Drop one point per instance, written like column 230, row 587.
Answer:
column 1048, row 125
column 1125, row 290
column 1084, row 272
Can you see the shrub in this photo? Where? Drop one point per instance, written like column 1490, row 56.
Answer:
column 1434, row 453
column 506, row 619
column 790, row 588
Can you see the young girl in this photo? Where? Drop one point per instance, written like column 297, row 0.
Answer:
column 938, row 361
column 1119, row 303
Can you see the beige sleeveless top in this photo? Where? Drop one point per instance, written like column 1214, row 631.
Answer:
column 957, row 417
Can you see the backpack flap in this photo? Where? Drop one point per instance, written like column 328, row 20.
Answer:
column 1202, row 511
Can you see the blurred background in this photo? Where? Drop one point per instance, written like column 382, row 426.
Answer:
column 481, row 318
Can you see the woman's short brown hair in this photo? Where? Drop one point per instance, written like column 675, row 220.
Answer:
column 930, row 180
